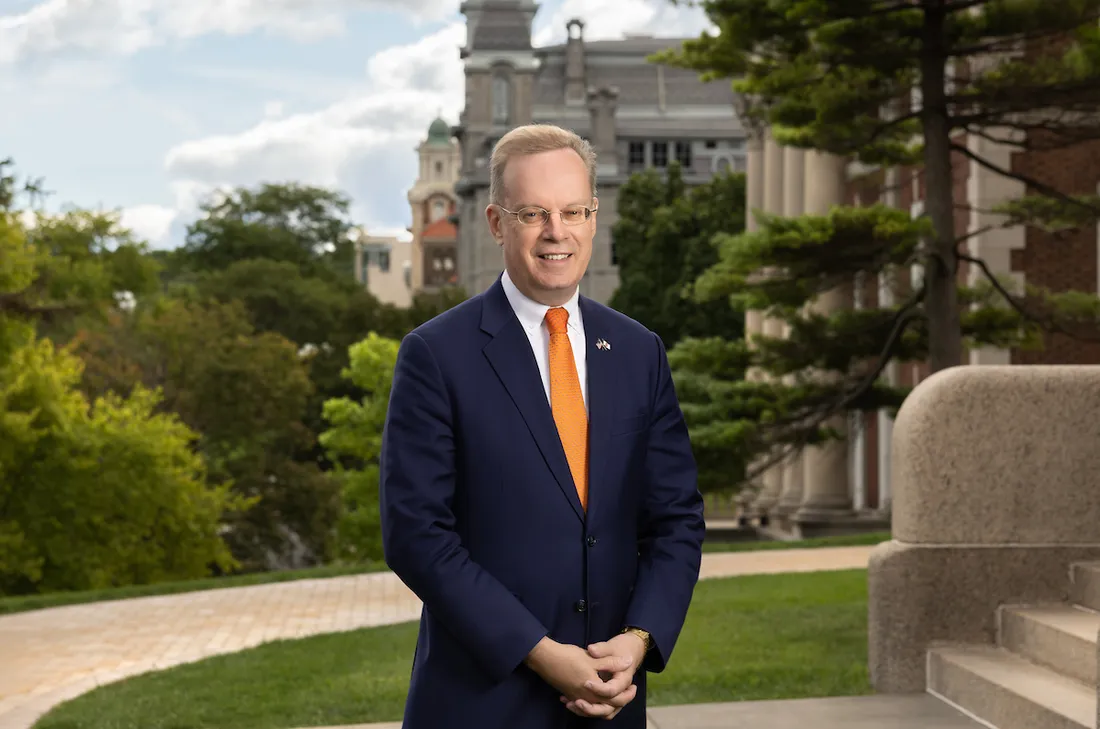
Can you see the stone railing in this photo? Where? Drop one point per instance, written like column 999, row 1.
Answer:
column 996, row 492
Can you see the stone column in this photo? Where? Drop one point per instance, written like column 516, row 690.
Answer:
column 773, row 204
column 794, row 175
column 754, row 320
column 826, row 495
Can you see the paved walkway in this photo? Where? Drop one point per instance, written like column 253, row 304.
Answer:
column 49, row 656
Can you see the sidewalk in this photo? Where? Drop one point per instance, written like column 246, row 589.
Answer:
column 54, row 655
column 919, row 711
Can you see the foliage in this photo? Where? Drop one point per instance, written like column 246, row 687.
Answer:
column 298, row 224
column 902, row 85
column 355, row 440
column 665, row 237
column 246, row 393
column 92, row 494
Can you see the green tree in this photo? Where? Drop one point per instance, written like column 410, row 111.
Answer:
column 299, row 224
column 665, row 238
column 92, row 494
column 247, row 393
column 354, row 440
column 839, row 77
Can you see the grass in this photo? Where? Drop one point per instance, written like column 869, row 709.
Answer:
column 751, row 637
column 18, row 604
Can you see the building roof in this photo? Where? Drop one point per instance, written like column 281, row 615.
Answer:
column 439, row 132
column 639, row 84
column 441, row 229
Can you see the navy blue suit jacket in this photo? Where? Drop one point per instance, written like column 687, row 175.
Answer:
column 481, row 519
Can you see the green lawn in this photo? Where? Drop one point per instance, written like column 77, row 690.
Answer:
column 754, row 637
column 57, row 599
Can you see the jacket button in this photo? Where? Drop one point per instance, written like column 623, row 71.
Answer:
column 591, row 541
column 581, row 606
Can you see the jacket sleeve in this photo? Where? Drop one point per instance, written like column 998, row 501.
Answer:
column 417, row 486
column 673, row 527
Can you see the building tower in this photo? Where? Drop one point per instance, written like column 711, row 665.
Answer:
column 433, row 203
column 500, row 67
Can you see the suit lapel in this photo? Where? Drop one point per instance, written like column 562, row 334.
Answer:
column 509, row 353
column 601, row 372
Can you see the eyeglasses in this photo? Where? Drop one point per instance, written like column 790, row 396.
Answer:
column 536, row 216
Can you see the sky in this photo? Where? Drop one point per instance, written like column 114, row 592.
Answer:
column 147, row 106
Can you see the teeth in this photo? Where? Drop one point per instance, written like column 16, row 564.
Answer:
column 555, row 256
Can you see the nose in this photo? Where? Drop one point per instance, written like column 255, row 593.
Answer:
column 553, row 229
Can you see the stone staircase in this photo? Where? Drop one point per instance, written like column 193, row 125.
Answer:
column 1042, row 671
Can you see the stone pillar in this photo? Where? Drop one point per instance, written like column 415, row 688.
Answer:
column 602, row 104
column 773, row 204
column 794, row 176
column 754, row 322
column 826, row 495
column 886, row 284
column 575, row 84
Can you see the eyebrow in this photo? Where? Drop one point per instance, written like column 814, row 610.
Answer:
column 520, row 206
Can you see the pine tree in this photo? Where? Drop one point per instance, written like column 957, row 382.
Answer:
column 887, row 83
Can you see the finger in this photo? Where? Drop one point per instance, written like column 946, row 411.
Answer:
column 607, row 689
column 600, row 650
column 612, row 664
column 595, row 710
column 618, row 702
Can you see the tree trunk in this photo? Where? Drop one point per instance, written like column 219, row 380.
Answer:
column 941, row 293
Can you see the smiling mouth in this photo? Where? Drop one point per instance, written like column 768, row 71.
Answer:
column 554, row 256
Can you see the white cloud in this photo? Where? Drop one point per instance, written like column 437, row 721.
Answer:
column 149, row 222
column 610, row 19
column 124, row 27
column 274, row 109
column 363, row 145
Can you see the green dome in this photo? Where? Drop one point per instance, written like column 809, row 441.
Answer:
column 439, row 132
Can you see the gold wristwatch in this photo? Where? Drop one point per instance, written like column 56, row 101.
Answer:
column 647, row 639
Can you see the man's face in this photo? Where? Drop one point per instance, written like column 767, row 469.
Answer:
column 547, row 260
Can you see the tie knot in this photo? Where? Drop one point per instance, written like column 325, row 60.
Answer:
column 556, row 319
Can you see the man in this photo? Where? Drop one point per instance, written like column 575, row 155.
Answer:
column 538, row 489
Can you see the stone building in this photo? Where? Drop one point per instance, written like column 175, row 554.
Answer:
column 636, row 113
column 846, row 485
column 432, row 201
column 383, row 264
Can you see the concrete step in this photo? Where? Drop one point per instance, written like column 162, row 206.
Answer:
column 1007, row 691
column 1085, row 584
column 1060, row 637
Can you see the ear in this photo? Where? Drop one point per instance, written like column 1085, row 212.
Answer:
column 492, row 216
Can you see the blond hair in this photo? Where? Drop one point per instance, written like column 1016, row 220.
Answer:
column 532, row 139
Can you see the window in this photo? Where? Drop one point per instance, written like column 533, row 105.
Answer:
column 501, row 101
column 636, row 155
column 660, row 154
column 439, row 209
column 711, row 144
column 439, row 169
column 683, row 154
column 384, row 261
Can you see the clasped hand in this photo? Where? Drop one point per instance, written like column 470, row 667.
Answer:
column 597, row 682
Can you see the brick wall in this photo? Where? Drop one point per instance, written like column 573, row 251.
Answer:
column 1061, row 262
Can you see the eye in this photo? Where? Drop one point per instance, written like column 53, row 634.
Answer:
column 530, row 215
column 573, row 214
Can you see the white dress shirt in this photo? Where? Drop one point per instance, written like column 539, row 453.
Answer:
column 532, row 317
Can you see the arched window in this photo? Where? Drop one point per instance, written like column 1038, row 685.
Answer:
column 501, row 100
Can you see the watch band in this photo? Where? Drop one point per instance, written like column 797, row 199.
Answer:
column 647, row 639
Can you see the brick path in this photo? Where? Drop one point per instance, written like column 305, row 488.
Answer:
column 50, row 656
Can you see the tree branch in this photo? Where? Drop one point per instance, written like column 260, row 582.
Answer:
column 1027, row 180
column 1048, row 324
column 903, row 317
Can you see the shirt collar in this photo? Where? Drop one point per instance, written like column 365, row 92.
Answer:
column 531, row 314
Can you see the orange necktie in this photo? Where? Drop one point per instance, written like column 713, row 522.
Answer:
column 567, row 402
